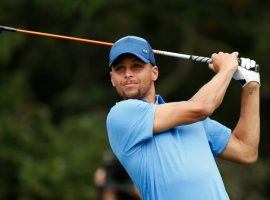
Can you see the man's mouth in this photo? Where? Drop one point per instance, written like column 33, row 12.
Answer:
column 130, row 84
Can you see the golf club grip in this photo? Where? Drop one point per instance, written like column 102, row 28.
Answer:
column 209, row 60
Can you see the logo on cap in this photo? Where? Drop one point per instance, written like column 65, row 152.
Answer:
column 145, row 51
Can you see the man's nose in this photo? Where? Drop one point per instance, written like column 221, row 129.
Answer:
column 128, row 73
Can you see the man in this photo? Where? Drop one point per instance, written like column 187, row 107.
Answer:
column 168, row 149
column 113, row 181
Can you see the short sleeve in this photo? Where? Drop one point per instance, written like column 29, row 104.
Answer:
column 129, row 123
column 218, row 135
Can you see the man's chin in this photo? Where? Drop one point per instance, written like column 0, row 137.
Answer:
column 131, row 95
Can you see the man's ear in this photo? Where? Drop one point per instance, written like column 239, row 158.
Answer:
column 112, row 83
column 154, row 73
column 112, row 80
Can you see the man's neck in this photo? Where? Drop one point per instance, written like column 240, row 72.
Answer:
column 151, row 96
column 151, row 100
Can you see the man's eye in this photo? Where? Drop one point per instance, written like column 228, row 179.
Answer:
column 118, row 68
column 137, row 65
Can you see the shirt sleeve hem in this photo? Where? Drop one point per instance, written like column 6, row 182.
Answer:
column 224, row 142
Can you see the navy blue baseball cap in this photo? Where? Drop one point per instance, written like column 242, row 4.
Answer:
column 137, row 46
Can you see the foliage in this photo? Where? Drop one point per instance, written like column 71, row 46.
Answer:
column 55, row 94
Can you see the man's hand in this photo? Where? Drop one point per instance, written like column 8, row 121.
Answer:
column 224, row 62
column 245, row 72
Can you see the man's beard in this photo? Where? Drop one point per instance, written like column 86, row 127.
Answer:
column 137, row 94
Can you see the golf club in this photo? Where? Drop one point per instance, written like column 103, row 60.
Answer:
column 96, row 42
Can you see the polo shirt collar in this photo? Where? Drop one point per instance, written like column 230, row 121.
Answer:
column 159, row 100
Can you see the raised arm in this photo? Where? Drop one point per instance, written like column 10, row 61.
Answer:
column 243, row 144
column 204, row 102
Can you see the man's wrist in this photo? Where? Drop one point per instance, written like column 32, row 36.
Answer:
column 228, row 71
column 252, row 84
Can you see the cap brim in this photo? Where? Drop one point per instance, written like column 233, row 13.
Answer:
column 128, row 52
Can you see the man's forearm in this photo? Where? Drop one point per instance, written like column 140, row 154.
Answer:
column 212, row 93
column 248, row 126
column 200, row 106
column 204, row 102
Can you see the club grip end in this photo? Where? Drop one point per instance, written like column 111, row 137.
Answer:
column 255, row 69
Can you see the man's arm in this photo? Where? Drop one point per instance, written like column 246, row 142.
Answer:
column 243, row 144
column 204, row 102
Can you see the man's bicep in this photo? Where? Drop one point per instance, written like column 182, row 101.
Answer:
column 169, row 115
column 234, row 150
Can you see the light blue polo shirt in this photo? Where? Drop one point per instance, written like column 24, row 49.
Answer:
column 177, row 164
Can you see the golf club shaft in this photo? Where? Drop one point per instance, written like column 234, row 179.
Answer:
column 75, row 39
column 62, row 37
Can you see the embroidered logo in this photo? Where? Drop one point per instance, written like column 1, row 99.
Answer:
column 145, row 51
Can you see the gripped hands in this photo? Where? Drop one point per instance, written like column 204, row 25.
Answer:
column 224, row 62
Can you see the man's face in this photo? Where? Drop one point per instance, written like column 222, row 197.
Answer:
column 132, row 78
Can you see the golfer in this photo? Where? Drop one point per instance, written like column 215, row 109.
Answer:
column 169, row 149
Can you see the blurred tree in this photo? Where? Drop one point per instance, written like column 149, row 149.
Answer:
column 55, row 94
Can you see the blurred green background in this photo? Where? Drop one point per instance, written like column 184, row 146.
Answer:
column 54, row 95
